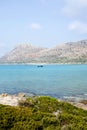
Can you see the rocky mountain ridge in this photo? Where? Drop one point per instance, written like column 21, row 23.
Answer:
column 72, row 52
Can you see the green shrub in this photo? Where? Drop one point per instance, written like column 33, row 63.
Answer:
column 37, row 113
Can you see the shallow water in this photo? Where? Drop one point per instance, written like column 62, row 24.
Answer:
column 61, row 81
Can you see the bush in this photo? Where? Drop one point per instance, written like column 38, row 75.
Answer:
column 37, row 114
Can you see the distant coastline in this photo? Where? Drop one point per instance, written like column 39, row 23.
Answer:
column 68, row 53
column 43, row 63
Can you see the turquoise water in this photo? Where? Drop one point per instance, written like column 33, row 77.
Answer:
column 62, row 81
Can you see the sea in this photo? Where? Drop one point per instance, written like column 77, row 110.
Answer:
column 67, row 82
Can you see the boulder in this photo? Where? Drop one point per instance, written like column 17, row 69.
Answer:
column 4, row 94
column 21, row 95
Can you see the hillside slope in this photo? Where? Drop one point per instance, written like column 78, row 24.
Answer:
column 73, row 52
column 23, row 53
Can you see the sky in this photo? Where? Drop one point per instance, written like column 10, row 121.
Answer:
column 45, row 23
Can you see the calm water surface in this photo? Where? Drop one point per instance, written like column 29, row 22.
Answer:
column 62, row 81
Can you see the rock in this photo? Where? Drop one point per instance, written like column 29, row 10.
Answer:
column 4, row 94
column 21, row 95
column 57, row 112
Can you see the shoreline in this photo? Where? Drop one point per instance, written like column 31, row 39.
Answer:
column 13, row 100
column 43, row 63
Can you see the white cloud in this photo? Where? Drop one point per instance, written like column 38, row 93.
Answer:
column 35, row 26
column 78, row 27
column 74, row 7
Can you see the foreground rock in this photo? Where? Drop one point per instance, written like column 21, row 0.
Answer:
column 11, row 100
column 80, row 105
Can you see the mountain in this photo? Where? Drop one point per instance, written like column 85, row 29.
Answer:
column 72, row 52
column 23, row 53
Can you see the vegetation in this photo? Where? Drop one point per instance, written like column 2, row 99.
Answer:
column 42, row 113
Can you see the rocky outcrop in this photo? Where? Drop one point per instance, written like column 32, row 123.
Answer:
column 12, row 100
column 21, row 95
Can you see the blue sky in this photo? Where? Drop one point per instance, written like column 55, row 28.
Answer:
column 44, row 23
